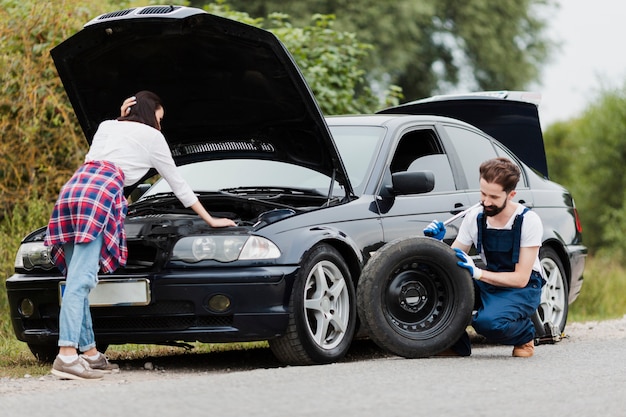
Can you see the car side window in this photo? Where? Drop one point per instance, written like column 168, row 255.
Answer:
column 420, row 150
column 472, row 150
column 507, row 154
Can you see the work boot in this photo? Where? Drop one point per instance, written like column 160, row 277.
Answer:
column 524, row 351
column 78, row 369
column 101, row 363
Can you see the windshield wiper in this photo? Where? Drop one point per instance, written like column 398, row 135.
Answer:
column 266, row 202
column 273, row 192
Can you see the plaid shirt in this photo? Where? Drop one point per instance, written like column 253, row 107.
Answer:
column 90, row 203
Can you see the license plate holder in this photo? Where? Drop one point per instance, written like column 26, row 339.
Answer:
column 122, row 292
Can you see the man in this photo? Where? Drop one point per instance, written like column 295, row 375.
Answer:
column 508, row 237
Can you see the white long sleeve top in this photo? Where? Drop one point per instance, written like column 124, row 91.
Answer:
column 135, row 148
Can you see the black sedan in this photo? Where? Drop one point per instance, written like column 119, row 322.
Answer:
column 314, row 199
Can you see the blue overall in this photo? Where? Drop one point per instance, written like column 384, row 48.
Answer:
column 503, row 315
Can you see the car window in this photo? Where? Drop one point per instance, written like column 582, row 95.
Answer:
column 472, row 150
column 507, row 154
column 357, row 147
column 420, row 150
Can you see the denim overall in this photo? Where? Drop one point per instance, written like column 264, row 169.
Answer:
column 503, row 315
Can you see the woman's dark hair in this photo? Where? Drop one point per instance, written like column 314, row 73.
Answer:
column 144, row 110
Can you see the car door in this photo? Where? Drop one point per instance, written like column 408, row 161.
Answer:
column 420, row 149
column 472, row 148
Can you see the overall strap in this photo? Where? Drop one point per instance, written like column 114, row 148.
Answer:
column 481, row 222
column 517, row 230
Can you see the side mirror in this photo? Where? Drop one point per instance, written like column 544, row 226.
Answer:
column 414, row 182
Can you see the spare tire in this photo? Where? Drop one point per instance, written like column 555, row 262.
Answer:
column 413, row 299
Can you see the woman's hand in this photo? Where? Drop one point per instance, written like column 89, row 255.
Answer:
column 126, row 105
column 211, row 221
column 221, row 222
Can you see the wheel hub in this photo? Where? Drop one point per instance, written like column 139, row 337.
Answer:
column 413, row 296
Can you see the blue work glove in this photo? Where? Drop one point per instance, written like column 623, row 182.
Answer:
column 436, row 230
column 467, row 263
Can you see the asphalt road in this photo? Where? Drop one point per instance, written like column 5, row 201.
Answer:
column 579, row 376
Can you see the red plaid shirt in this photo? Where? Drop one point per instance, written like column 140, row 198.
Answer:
column 90, row 203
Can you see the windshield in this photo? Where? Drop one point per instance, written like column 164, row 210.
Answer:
column 356, row 145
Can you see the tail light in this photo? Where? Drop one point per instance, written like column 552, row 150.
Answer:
column 579, row 226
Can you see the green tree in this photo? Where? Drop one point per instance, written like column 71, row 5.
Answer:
column 331, row 61
column 432, row 46
column 589, row 155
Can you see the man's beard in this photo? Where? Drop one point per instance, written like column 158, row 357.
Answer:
column 491, row 211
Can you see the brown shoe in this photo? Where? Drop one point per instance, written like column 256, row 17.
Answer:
column 79, row 369
column 524, row 351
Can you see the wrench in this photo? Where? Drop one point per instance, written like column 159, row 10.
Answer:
column 461, row 214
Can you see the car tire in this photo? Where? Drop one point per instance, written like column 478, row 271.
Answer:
column 44, row 353
column 413, row 299
column 554, row 305
column 322, row 317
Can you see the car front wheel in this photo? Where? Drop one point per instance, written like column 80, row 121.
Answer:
column 413, row 298
column 553, row 308
column 322, row 315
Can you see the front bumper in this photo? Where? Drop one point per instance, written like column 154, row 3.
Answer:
column 178, row 308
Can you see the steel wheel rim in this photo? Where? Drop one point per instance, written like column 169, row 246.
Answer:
column 416, row 300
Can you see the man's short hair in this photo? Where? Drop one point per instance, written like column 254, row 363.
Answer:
column 500, row 171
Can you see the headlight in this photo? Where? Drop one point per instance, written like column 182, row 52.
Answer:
column 224, row 248
column 33, row 255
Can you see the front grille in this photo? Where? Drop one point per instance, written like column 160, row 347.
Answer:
column 140, row 255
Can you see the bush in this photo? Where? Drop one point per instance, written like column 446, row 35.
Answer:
column 24, row 219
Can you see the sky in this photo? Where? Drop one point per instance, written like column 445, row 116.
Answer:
column 592, row 56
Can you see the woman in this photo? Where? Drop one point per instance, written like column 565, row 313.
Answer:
column 86, row 229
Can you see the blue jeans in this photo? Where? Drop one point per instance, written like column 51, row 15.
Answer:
column 83, row 264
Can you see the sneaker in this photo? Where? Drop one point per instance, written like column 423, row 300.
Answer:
column 79, row 369
column 101, row 363
column 524, row 351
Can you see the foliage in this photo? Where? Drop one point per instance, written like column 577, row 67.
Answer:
column 41, row 141
column 331, row 61
column 602, row 294
column 432, row 46
column 595, row 145
column 24, row 219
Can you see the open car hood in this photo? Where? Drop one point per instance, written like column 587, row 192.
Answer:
column 230, row 90
column 511, row 117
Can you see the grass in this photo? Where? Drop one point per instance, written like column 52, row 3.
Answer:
column 602, row 294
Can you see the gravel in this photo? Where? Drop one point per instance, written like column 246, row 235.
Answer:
column 179, row 366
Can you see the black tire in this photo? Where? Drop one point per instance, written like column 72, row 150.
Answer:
column 554, row 306
column 322, row 316
column 413, row 298
column 44, row 353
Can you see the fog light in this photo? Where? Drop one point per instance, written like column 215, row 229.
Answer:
column 219, row 303
column 27, row 308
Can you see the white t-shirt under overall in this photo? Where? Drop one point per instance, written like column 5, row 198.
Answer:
column 532, row 231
